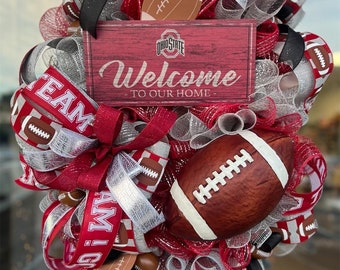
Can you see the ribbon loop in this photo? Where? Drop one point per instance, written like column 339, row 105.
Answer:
column 107, row 124
column 89, row 15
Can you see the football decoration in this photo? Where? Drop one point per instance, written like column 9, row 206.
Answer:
column 125, row 261
column 71, row 198
column 213, row 184
column 170, row 9
column 230, row 185
column 318, row 54
column 147, row 261
column 72, row 9
column 121, row 237
column 37, row 130
column 298, row 229
column 151, row 172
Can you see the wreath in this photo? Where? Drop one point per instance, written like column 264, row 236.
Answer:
column 171, row 187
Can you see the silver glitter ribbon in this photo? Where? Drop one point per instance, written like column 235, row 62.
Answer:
column 44, row 161
column 70, row 144
column 262, row 10
column 234, row 9
column 289, row 91
column 174, row 262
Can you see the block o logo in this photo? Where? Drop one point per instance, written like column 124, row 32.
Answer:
column 170, row 45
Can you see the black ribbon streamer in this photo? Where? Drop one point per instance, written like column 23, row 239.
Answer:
column 294, row 47
column 89, row 15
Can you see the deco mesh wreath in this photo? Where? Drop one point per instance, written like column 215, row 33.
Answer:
column 171, row 187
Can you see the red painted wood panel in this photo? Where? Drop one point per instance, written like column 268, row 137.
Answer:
column 171, row 62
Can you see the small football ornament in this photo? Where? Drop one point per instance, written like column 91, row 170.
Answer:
column 71, row 198
column 37, row 130
column 230, row 185
column 170, row 9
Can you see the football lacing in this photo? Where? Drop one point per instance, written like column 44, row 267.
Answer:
column 203, row 192
column 320, row 57
column 120, row 263
column 149, row 172
column 161, row 5
column 39, row 132
column 117, row 238
column 312, row 226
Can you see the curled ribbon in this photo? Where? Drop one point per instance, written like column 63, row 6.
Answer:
column 234, row 258
column 189, row 127
column 229, row 9
column 208, row 261
column 263, row 10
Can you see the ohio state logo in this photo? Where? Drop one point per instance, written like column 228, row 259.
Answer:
column 170, row 45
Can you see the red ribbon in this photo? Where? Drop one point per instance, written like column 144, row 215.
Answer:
column 266, row 38
column 81, row 173
column 93, row 239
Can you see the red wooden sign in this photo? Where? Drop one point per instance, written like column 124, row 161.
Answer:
column 171, row 62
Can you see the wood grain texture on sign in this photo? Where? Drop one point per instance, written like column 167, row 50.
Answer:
column 166, row 63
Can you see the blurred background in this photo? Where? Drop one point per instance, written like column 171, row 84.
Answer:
column 19, row 213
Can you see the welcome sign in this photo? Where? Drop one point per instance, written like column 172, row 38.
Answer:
column 165, row 63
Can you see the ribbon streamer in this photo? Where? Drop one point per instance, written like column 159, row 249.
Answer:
column 28, row 179
column 130, row 198
column 44, row 161
column 54, row 218
column 70, row 144
column 89, row 14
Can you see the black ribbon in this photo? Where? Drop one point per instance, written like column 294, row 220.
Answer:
column 294, row 47
column 255, row 265
column 285, row 12
column 89, row 14
column 271, row 242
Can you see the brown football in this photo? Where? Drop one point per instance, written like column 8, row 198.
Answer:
column 37, row 130
column 125, row 261
column 71, row 198
column 230, row 185
column 122, row 237
column 151, row 171
column 147, row 261
column 170, row 9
